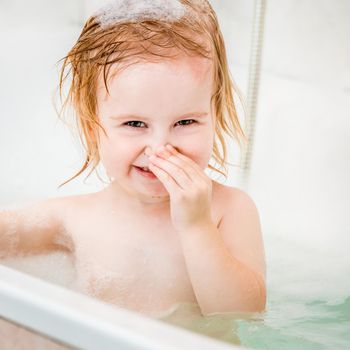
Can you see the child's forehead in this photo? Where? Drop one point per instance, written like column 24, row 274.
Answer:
column 162, row 81
column 199, row 68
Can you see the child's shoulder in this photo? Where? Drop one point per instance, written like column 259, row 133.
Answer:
column 73, row 201
column 69, row 211
column 64, row 208
column 232, row 196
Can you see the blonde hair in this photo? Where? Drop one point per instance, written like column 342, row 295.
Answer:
column 98, row 47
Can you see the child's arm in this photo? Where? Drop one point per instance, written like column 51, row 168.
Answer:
column 32, row 229
column 227, row 264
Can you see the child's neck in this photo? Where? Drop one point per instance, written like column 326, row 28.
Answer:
column 135, row 200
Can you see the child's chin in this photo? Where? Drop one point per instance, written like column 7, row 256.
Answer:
column 155, row 191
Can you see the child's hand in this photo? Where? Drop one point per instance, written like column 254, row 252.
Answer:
column 189, row 187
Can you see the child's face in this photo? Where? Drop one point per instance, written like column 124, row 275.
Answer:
column 157, row 96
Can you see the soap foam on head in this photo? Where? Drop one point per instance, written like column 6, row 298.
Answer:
column 118, row 11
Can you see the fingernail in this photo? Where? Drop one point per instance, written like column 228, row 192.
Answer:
column 147, row 152
column 166, row 154
column 170, row 147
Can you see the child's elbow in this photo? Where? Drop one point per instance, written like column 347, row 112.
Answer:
column 260, row 304
column 257, row 302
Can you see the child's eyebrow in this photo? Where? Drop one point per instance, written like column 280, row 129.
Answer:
column 128, row 116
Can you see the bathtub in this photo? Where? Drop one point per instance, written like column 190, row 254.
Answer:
column 41, row 310
column 308, row 307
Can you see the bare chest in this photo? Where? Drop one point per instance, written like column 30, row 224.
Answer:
column 130, row 260
column 139, row 267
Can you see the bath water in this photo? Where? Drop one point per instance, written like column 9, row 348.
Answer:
column 307, row 307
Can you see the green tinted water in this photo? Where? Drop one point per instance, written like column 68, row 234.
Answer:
column 289, row 324
column 307, row 308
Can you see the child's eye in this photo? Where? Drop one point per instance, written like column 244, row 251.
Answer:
column 187, row 120
column 133, row 123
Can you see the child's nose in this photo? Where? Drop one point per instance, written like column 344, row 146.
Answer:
column 149, row 151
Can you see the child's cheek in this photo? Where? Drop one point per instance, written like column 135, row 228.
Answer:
column 114, row 155
column 199, row 149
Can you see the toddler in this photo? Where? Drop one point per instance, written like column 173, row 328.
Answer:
column 152, row 96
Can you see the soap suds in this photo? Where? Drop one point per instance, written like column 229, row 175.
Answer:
column 118, row 11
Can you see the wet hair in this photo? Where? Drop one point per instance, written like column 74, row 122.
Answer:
column 110, row 39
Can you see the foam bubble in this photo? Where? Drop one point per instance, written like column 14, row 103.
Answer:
column 118, row 11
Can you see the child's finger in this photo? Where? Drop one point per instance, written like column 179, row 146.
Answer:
column 187, row 160
column 169, row 183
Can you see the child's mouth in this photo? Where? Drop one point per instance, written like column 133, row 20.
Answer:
column 145, row 172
